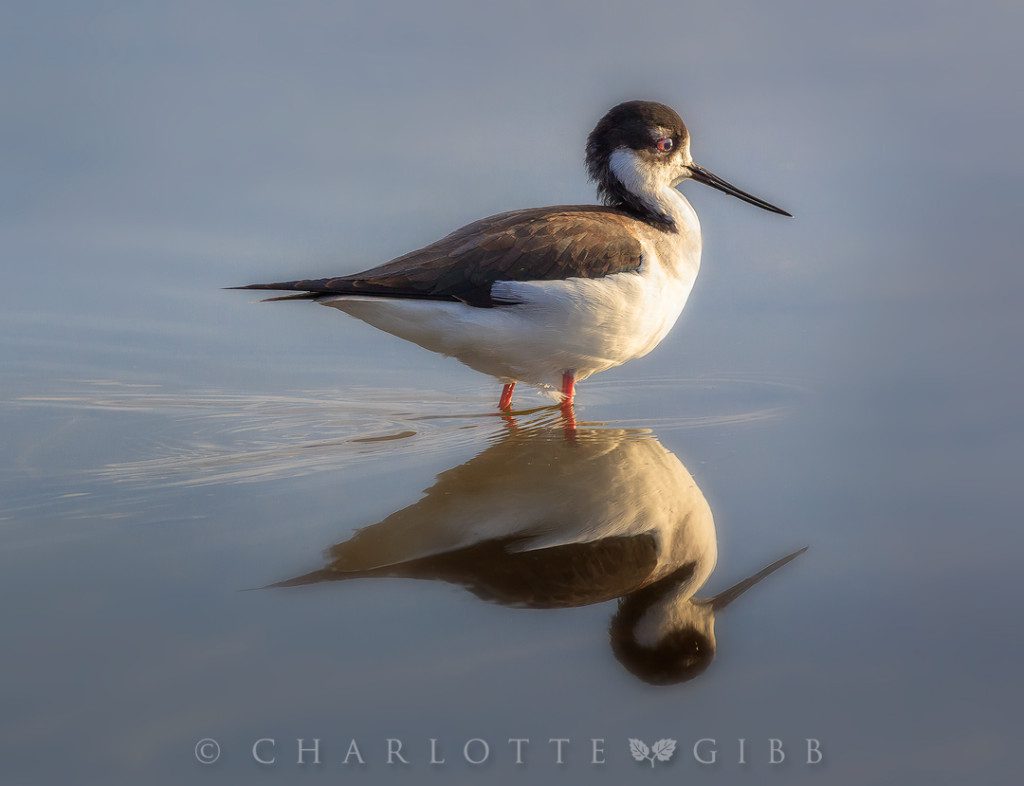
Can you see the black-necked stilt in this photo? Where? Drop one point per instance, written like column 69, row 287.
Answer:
column 550, row 296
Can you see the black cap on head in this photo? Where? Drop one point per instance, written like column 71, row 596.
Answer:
column 680, row 656
column 636, row 125
column 631, row 124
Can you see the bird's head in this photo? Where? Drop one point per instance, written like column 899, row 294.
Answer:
column 639, row 149
column 664, row 635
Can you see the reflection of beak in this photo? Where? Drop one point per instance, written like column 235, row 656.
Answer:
column 701, row 175
column 723, row 599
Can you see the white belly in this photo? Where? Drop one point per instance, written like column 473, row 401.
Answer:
column 579, row 325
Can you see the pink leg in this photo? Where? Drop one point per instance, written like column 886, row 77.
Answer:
column 568, row 415
column 505, row 403
column 568, row 386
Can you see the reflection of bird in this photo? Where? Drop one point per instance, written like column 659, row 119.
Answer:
column 538, row 521
column 550, row 296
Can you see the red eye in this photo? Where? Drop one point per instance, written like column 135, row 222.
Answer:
column 665, row 144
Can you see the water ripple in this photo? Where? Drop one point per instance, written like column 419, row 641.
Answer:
column 219, row 437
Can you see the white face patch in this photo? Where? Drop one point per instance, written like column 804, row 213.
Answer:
column 641, row 178
column 653, row 182
column 670, row 614
column 684, row 159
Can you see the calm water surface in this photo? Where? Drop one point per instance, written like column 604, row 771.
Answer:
column 465, row 608
column 847, row 381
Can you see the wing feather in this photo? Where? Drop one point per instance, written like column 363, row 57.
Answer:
column 540, row 244
column 572, row 574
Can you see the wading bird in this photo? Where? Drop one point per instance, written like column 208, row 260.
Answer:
column 552, row 295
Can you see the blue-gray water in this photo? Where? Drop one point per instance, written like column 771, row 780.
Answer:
column 848, row 380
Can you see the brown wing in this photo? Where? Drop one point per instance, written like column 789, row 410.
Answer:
column 573, row 574
column 539, row 244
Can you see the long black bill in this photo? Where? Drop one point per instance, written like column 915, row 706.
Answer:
column 723, row 599
column 701, row 175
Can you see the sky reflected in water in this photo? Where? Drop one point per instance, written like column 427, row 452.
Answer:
column 847, row 381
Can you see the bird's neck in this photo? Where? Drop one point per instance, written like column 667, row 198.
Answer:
column 674, row 204
column 641, row 190
column 651, row 608
column 679, row 247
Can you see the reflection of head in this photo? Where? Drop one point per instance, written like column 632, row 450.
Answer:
column 662, row 635
column 679, row 657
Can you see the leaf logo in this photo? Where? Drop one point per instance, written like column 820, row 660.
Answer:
column 662, row 750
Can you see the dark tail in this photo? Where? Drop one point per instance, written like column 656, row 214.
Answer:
column 312, row 289
column 306, row 289
column 300, row 296
column 317, row 576
column 332, row 574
